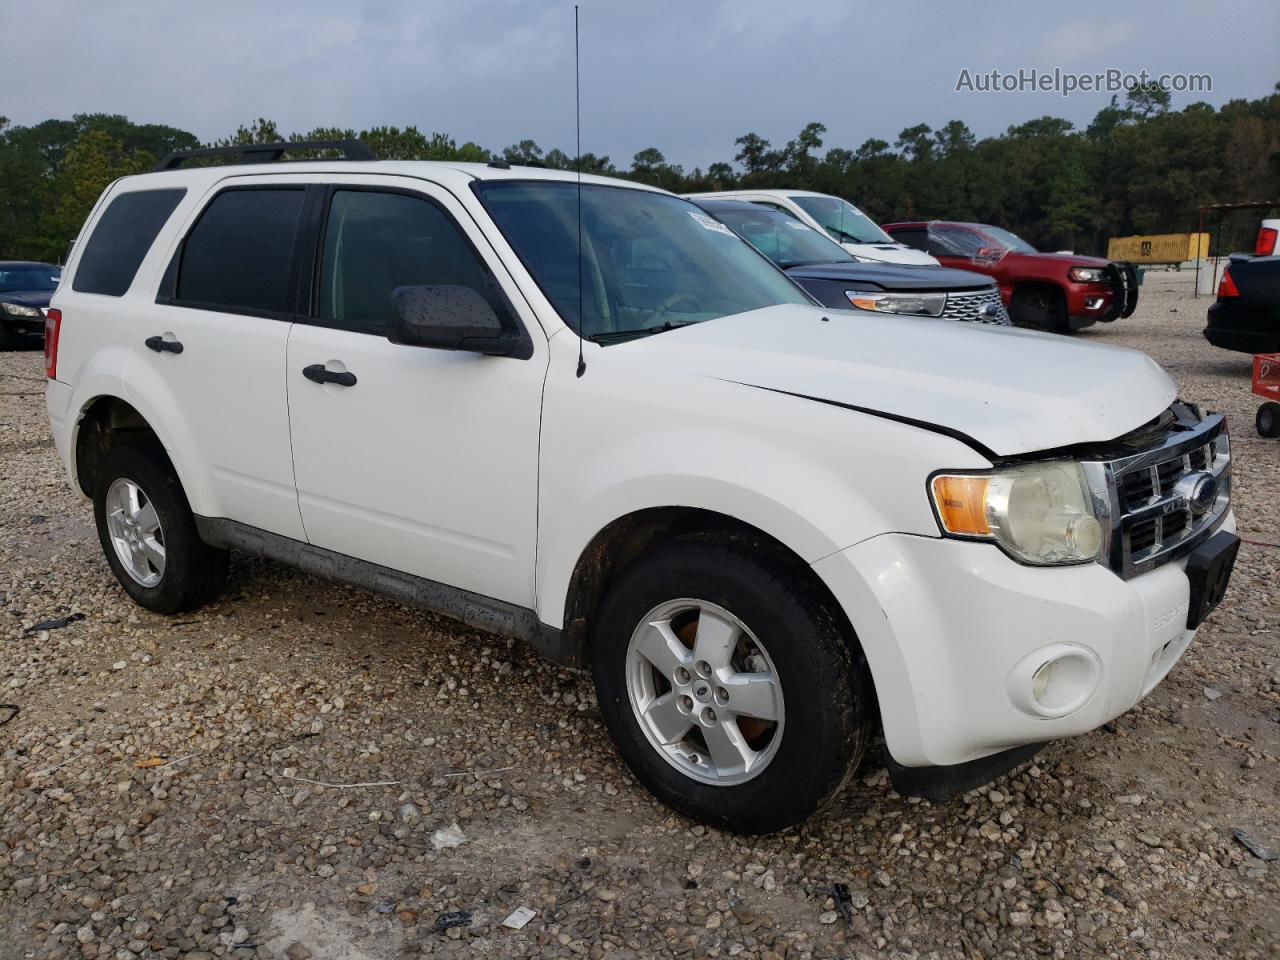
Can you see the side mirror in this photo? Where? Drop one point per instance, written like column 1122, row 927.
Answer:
column 449, row 317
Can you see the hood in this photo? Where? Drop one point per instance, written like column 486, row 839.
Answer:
column 28, row 298
column 1069, row 259
column 890, row 253
column 893, row 276
column 1012, row 391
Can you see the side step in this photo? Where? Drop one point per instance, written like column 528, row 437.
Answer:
column 484, row 613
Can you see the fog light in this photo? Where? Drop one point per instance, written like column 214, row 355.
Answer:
column 1055, row 680
column 1092, row 303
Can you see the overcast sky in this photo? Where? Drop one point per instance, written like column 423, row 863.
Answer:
column 686, row 77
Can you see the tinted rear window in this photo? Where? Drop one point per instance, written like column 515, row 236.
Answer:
column 121, row 239
column 237, row 255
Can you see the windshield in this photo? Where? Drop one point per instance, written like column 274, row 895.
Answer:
column 28, row 277
column 650, row 262
column 1009, row 241
column 780, row 237
column 842, row 220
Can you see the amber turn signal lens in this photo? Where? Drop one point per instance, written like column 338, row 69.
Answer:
column 962, row 504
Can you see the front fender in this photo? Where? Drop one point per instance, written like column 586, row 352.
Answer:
column 816, row 477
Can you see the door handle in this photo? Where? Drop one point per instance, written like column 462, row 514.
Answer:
column 317, row 373
column 161, row 345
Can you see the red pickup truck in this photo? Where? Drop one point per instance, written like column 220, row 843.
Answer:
column 1055, row 291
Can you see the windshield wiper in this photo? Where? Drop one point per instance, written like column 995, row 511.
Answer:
column 618, row 336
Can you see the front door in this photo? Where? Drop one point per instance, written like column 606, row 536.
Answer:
column 421, row 460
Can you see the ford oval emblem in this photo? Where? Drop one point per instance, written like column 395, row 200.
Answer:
column 1199, row 490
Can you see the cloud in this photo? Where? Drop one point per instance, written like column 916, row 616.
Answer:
column 685, row 77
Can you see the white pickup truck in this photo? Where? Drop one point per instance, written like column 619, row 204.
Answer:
column 590, row 416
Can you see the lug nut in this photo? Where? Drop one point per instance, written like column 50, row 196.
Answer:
column 709, row 717
column 703, row 668
column 682, row 675
column 685, row 704
column 722, row 695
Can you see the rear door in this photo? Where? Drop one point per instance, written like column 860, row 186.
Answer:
column 214, row 343
column 427, row 461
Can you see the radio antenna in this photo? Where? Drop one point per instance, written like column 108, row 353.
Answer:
column 577, row 111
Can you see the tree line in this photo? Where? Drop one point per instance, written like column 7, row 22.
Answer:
column 1138, row 167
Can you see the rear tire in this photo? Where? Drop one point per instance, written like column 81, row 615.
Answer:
column 1268, row 420
column 148, row 533
column 785, row 642
column 1040, row 307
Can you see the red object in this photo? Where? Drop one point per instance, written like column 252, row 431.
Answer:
column 971, row 246
column 1266, row 375
column 52, row 327
column 1266, row 244
column 1227, row 286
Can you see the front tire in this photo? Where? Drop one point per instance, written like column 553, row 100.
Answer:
column 730, row 685
column 148, row 533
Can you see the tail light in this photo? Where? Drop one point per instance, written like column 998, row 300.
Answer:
column 1227, row 286
column 1266, row 244
column 52, row 327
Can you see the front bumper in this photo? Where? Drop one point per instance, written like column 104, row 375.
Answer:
column 22, row 326
column 952, row 631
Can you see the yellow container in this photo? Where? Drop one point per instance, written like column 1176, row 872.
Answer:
column 1159, row 248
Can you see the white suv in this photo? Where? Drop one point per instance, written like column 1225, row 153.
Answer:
column 769, row 528
column 839, row 219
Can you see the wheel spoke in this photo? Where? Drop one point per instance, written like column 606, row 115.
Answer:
column 153, row 550
column 662, row 648
column 131, row 505
column 753, row 694
column 147, row 520
column 715, row 639
column 667, row 721
column 729, row 749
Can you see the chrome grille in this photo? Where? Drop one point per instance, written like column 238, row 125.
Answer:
column 969, row 307
column 1147, row 494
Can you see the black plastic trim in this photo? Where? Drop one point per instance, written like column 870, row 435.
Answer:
column 266, row 152
column 939, row 784
column 475, row 610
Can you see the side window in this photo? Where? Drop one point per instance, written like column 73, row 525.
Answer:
column 375, row 242
column 953, row 242
column 122, row 237
column 912, row 236
column 237, row 256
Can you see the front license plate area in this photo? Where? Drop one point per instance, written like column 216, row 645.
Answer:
column 1209, row 570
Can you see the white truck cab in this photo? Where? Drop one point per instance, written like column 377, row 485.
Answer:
column 768, row 528
column 839, row 219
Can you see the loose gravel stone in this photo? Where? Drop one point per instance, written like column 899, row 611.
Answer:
column 264, row 777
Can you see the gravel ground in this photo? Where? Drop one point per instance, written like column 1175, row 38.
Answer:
column 281, row 774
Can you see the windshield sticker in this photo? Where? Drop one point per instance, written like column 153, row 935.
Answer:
column 710, row 223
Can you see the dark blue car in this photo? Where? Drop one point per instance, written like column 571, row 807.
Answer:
column 838, row 279
column 25, row 289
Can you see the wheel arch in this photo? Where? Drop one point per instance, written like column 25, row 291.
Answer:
column 625, row 539
column 106, row 421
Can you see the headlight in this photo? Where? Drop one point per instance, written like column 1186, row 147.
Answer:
column 1040, row 513
column 1087, row 274
column 918, row 304
column 18, row 310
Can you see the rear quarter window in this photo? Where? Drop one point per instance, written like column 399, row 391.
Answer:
column 123, row 235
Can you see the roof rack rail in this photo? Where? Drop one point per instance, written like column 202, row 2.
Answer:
column 266, row 152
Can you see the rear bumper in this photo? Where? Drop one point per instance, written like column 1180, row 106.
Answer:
column 57, row 400
column 1234, row 326
column 952, row 632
